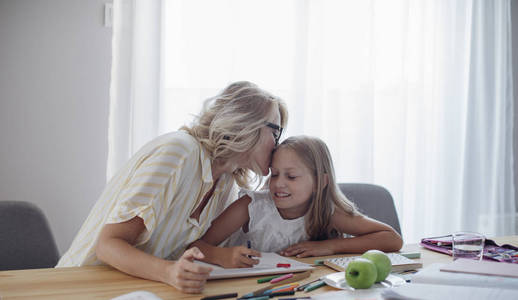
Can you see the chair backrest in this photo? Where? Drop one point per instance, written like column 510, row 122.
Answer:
column 26, row 241
column 374, row 201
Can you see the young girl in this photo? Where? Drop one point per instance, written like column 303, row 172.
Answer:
column 302, row 214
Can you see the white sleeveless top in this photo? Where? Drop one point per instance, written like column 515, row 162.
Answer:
column 267, row 230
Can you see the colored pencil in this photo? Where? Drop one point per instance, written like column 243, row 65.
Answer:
column 281, row 288
column 222, row 296
column 314, row 286
column 301, row 287
column 279, row 265
column 286, row 289
column 284, row 277
column 286, row 293
column 259, row 292
column 259, row 298
column 267, row 279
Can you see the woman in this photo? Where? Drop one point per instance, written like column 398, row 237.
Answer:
column 168, row 193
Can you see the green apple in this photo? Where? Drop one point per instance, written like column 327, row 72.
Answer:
column 381, row 261
column 360, row 273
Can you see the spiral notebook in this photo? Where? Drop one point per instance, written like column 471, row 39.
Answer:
column 399, row 262
column 267, row 266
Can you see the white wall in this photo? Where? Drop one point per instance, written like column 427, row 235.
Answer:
column 55, row 58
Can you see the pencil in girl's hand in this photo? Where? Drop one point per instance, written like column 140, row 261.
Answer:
column 249, row 246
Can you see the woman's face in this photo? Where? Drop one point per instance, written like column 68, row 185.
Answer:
column 261, row 155
column 291, row 183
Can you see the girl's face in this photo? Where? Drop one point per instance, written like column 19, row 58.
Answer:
column 291, row 184
column 262, row 152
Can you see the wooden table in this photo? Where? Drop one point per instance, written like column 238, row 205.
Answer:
column 101, row 282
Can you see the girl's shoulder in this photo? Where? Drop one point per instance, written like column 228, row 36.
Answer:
column 261, row 195
column 260, row 201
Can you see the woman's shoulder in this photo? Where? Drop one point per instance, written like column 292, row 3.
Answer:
column 179, row 142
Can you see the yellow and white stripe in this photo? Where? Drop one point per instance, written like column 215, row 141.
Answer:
column 162, row 184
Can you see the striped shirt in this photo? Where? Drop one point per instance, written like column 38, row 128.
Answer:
column 163, row 184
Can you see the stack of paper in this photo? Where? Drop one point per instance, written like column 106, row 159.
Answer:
column 432, row 275
column 484, row 267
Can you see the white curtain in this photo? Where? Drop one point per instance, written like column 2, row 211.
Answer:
column 415, row 96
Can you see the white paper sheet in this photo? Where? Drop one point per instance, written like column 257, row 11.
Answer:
column 267, row 265
column 414, row 291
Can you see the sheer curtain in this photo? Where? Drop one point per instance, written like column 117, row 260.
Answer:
column 415, row 96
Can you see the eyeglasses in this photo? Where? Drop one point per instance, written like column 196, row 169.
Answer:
column 277, row 131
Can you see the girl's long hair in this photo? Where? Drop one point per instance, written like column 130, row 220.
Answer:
column 230, row 124
column 315, row 155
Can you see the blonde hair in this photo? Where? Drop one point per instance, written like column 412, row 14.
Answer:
column 315, row 155
column 230, row 124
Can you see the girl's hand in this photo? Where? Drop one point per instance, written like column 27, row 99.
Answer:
column 310, row 248
column 187, row 276
column 239, row 257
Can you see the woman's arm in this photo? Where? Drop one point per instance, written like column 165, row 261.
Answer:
column 230, row 220
column 115, row 247
column 368, row 234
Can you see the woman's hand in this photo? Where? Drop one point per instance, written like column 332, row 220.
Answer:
column 187, row 276
column 311, row 248
column 238, row 257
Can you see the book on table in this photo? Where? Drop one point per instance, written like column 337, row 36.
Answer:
column 399, row 262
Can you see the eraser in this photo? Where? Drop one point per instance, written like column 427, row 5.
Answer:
column 411, row 254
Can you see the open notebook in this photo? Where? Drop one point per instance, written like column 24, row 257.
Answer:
column 267, row 265
column 399, row 262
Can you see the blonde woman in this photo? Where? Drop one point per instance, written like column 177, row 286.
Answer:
column 168, row 193
column 302, row 214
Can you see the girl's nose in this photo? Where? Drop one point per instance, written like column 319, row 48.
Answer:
column 279, row 182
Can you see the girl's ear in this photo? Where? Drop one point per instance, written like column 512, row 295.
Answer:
column 326, row 180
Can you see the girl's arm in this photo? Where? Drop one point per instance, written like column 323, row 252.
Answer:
column 115, row 247
column 229, row 221
column 368, row 234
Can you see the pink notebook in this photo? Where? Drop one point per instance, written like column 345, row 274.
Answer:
column 483, row 267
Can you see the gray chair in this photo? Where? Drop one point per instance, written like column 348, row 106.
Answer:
column 374, row 201
column 26, row 241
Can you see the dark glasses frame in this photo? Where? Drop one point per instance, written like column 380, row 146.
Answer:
column 278, row 128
